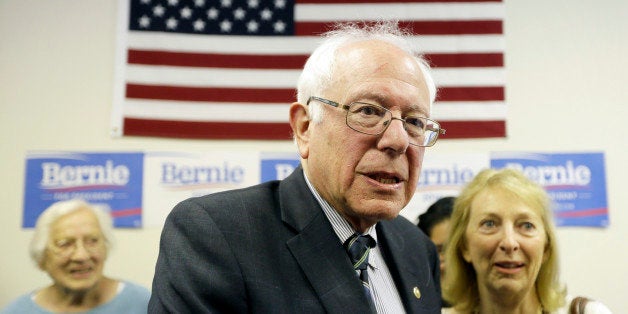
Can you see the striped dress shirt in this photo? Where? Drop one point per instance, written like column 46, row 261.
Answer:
column 383, row 289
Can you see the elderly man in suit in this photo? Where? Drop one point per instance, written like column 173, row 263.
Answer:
column 327, row 239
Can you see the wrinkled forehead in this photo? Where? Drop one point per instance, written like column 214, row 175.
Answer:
column 79, row 221
column 377, row 58
column 378, row 69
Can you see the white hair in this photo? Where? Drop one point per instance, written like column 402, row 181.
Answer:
column 58, row 210
column 318, row 73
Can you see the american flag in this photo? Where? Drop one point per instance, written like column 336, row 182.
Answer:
column 227, row 69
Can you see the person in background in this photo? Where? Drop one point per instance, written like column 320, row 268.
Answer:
column 435, row 224
column 502, row 255
column 70, row 243
column 328, row 238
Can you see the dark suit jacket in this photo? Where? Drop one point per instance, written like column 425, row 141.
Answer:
column 270, row 249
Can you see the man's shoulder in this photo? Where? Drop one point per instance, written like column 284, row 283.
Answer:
column 402, row 224
column 406, row 230
column 241, row 198
column 255, row 191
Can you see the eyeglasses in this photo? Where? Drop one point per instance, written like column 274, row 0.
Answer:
column 374, row 120
column 65, row 248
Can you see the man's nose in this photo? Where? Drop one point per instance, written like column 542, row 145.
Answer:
column 395, row 136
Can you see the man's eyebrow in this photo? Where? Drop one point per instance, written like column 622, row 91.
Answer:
column 382, row 99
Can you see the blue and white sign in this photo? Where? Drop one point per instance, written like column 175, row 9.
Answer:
column 443, row 175
column 171, row 177
column 141, row 188
column 575, row 182
column 111, row 179
column 277, row 166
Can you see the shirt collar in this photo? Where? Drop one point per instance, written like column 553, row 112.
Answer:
column 341, row 226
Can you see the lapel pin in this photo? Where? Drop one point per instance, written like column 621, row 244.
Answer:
column 417, row 292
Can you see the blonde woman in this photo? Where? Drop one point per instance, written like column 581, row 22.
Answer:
column 502, row 254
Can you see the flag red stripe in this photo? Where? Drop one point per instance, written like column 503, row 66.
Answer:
column 491, row 93
column 418, row 27
column 207, row 130
column 216, row 60
column 217, row 94
column 126, row 212
column 279, row 131
column 461, row 60
column 582, row 213
column 282, row 95
column 296, row 62
column 473, row 129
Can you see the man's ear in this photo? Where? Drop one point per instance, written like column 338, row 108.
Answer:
column 300, row 124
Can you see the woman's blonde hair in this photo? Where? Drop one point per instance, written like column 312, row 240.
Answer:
column 460, row 287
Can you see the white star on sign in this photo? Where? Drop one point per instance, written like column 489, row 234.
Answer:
column 239, row 14
column 225, row 26
column 159, row 10
column 144, row 21
column 280, row 4
column 186, row 13
column 212, row 13
column 172, row 23
column 279, row 27
column 199, row 25
column 253, row 3
column 252, row 26
column 266, row 14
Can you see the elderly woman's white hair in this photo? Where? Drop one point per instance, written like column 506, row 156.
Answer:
column 318, row 70
column 58, row 210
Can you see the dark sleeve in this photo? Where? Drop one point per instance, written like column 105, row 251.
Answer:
column 196, row 270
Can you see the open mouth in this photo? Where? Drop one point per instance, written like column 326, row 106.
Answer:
column 509, row 265
column 384, row 178
column 80, row 271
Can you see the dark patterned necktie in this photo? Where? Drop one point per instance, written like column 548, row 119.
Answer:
column 358, row 247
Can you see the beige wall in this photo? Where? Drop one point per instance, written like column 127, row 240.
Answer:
column 566, row 89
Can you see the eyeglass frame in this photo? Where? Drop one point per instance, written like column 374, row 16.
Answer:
column 66, row 247
column 403, row 121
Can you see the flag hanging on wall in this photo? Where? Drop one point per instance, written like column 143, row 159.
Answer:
column 227, row 69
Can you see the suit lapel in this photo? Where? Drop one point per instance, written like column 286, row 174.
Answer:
column 317, row 250
column 402, row 265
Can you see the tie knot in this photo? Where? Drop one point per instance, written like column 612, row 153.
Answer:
column 358, row 247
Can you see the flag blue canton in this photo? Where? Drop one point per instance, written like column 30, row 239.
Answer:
column 216, row 17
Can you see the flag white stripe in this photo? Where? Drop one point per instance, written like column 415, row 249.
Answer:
column 206, row 111
column 300, row 45
column 402, row 11
column 250, row 78
column 211, row 77
column 469, row 110
column 460, row 44
column 469, row 77
column 217, row 111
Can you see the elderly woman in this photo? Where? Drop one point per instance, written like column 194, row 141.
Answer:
column 502, row 250
column 70, row 243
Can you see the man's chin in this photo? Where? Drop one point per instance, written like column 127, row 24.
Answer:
column 382, row 212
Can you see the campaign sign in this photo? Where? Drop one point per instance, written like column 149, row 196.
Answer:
column 277, row 166
column 575, row 182
column 171, row 177
column 443, row 175
column 110, row 179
